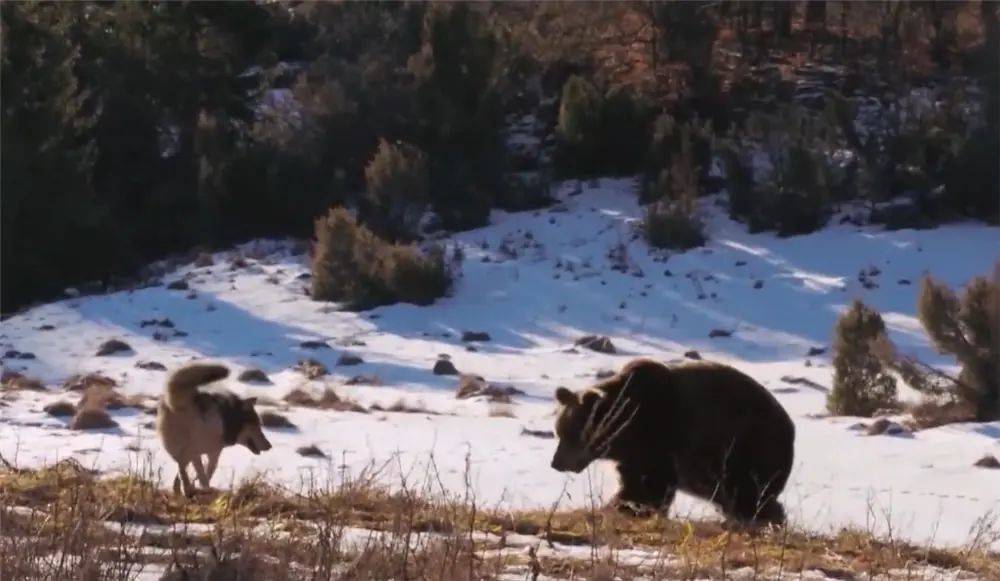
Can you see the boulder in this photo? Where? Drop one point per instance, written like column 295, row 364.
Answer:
column 113, row 347
column 253, row 376
column 598, row 343
column 444, row 367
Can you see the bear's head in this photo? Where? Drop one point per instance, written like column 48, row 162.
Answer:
column 572, row 453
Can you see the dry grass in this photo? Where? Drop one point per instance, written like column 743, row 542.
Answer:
column 403, row 406
column 58, row 521
column 930, row 413
column 327, row 400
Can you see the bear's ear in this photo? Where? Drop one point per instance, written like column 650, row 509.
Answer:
column 249, row 401
column 566, row 397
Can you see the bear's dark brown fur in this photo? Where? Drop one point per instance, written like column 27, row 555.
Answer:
column 704, row 428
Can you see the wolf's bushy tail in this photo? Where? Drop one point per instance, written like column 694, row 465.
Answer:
column 186, row 380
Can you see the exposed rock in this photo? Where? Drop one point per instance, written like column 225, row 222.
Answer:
column 741, row 263
column 60, row 409
column 310, row 451
column 165, row 323
column 714, row 333
column 599, row 343
column 348, row 359
column 113, row 347
column 151, row 365
column 803, row 381
column 444, row 367
column 758, row 284
column 253, row 376
column 363, row 380
column 311, row 368
column 475, row 386
column 988, row 461
column 604, row 374
column 178, row 285
column 46, row 328
column 15, row 354
column 314, row 345
column 544, row 434
column 816, row 351
column 887, row 427
column 270, row 419
column 480, row 336
column 501, row 393
column 692, row 354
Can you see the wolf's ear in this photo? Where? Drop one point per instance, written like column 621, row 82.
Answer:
column 566, row 397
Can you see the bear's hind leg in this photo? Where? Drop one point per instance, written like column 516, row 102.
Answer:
column 748, row 501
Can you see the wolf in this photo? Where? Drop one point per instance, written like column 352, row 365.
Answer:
column 192, row 423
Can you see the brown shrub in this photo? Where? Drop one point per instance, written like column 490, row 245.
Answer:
column 404, row 407
column 60, row 409
column 354, row 266
column 92, row 419
column 668, row 225
column 328, row 400
column 14, row 381
column 931, row 413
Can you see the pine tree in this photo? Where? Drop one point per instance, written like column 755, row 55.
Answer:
column 861, row 384
column 53, row 231
column 396, row 190
column 969, row 329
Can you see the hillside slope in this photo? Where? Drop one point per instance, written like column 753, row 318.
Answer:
column 535, row 282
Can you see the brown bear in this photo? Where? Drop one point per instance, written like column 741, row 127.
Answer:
column 704, row 428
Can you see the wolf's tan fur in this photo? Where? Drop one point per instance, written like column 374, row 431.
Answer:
column 192, row 424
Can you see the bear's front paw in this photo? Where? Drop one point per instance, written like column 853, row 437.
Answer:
column 632, row 508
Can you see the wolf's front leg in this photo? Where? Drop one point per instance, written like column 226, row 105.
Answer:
column 199, row 469
column 213, row 463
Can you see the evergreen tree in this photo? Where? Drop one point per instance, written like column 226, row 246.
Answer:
column 861, row 384
column 969, row 329
column 54, row 230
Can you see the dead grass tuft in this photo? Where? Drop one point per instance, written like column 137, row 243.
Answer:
column 327, row 400
column 931, row 413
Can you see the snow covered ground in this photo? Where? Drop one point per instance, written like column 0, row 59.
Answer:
column 535, row 282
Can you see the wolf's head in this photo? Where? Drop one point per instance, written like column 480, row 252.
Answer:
column 248, row 430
